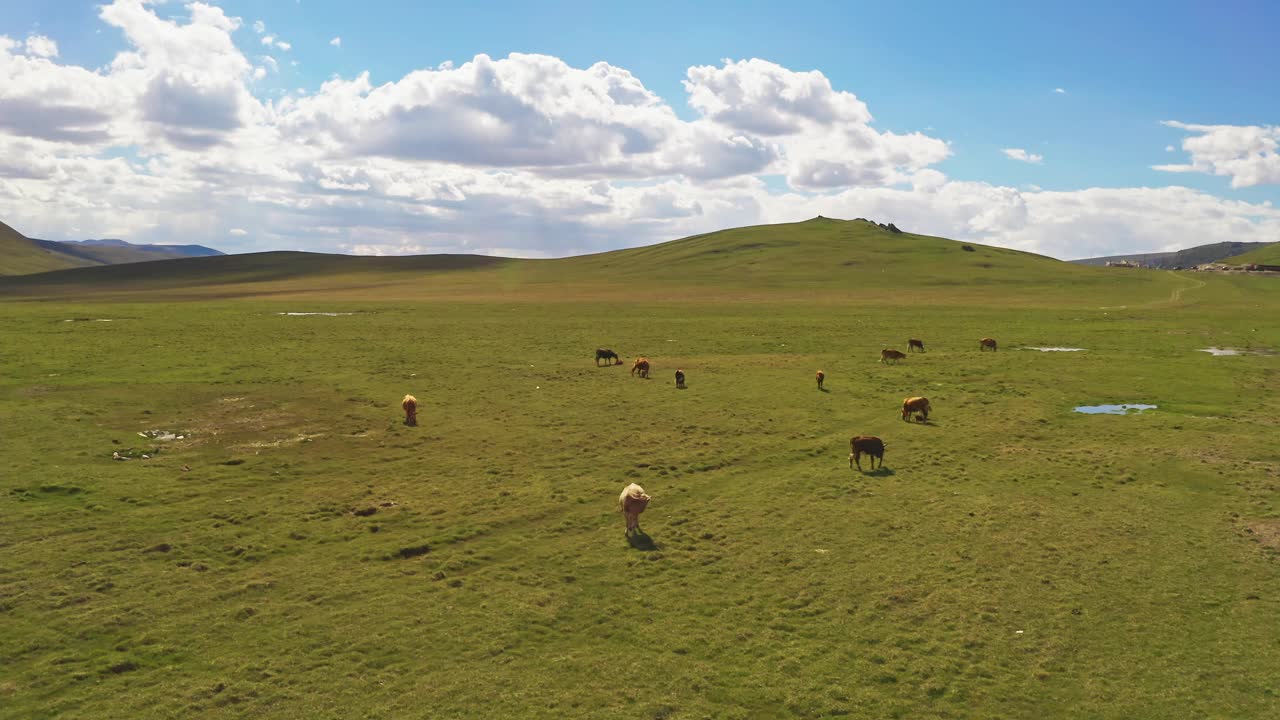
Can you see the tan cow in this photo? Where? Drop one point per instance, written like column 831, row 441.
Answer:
column 821, row 377
column 632, row 502
column 916, row 405
column 641, row 367
column 410, row 407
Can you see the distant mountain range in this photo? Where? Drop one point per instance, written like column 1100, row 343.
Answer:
column 1189, row 257
column 20, row 255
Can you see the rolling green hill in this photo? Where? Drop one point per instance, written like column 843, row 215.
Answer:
column 818, row 259
column 1268, row 255
column 20, row 255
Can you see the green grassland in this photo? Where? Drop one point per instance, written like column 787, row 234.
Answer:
column 1269, row 255
column 300, row 553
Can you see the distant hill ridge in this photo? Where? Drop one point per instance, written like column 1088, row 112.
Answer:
column 20, row 255
column 1186, row 258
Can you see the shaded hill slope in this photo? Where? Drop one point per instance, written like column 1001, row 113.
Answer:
column 1187, row 257
column 20, row 255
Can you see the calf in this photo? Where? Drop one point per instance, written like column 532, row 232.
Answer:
column 641, row 367
column 985, row 343
column 821, row 377
column 913, row 344
column 916, row 405
column 868, row 444
column 680, row 379
column 610, row 357
column 894, row 355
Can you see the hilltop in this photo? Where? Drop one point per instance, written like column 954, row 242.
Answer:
column 814, row 259
column 21, row 255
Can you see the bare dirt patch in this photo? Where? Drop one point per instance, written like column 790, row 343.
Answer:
column 1267, row 532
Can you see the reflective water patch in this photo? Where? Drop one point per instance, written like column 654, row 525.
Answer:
column 1237, row 351
column 1122, row 409
column 1053, row 349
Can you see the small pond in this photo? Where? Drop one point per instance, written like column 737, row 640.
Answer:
column 1122, row 409
column 1054, row 349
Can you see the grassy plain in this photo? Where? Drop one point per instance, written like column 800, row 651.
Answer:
column 1014, row 559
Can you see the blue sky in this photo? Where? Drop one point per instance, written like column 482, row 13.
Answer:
column 979, row 76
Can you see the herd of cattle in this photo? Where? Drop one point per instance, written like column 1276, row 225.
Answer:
column 633, row 500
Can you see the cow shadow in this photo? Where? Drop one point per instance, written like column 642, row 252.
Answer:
column 880, row 472
column 641, row 541
column 822, row 389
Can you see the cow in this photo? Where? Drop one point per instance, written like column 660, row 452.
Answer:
column 913, row 344
column 894, row 355
column 610, row 357
column 916, row 405
column 985, row 343
column 821, row 377
column 680, row 379
column 869, row 445
column 410, row 406
column 641, row 367
column 631, row 503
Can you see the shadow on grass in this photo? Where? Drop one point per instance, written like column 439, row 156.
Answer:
column 822, row 389
column 640, row 540
column 880, row 472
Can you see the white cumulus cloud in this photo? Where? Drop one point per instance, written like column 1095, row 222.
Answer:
column 336, row 42
column 520, row 155
column 1060, row 91
column 1248, row 154
column 1022, row 155
column 41, row 46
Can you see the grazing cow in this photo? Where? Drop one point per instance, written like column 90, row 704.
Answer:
column 821, row 377
column 610, row 357
column 410, row 405
column 916, row 405
column 868, row 444
column 680, row 379
column 641, row 367
column 913, row 344
column 985, row 343
column 632, row 502
column 894, row 355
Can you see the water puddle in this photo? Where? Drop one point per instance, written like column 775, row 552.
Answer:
column 1122, row 409
column 326, row 314
column 1217, row 351
column 1054, row 349
column 89, row 320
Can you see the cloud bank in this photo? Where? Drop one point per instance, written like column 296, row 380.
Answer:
column 523, row 155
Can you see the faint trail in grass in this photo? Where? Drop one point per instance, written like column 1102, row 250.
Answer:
column 1175, row 295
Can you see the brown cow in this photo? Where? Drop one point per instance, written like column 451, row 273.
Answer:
column 821, row 377
column 916, row 405
column 913, row 344
column 985, row 343
column 641, row 367
column 680, row 379
column 868, row 444
column 410, row 406
column 609, row 356
column 632, row 502
column 894, row 355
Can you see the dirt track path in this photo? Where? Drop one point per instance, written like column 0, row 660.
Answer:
column 1175, row 296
